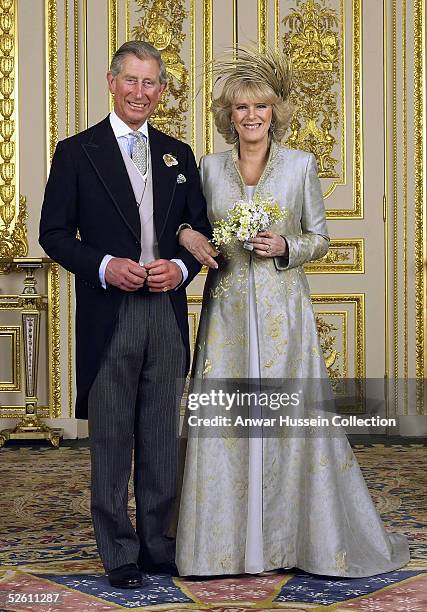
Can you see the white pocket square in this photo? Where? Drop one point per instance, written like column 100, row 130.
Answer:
column 181, row 178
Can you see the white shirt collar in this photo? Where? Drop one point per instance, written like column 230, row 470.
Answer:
column 121, row 129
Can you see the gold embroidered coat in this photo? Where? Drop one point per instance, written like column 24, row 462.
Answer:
column 316, row 510
column 289, row 345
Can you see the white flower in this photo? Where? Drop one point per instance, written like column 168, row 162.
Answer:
column 170, row 160
column 245, row 219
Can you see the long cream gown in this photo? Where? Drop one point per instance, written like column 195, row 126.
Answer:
column 257, row 504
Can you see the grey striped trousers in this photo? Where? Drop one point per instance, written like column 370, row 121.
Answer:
column 133, row 404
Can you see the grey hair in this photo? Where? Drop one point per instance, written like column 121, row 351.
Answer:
column 142, row 50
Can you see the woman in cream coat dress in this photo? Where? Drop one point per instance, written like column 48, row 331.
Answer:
column 254, row 504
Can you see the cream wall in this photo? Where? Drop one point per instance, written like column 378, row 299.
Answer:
column 369, row 292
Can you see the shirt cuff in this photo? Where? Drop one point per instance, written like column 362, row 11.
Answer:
column 181, row 227
column 102, row 267
column 184, row 271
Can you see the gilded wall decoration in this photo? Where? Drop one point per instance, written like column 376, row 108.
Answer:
column 313, row 40
column 193, row 324
column 112, row 28
column 13, row 231
column 53, row 309
column 193, row 318
column 344, row 256
column 262, row 24
column 54, row 346
column 420, row 206
column 77, row 67
column 328, row 343
column 13, row 242
column 161, row 25
column 52, row 80
column 207, row 43
column 13, row 334
column 357, row 302
column 348, row 383
column 112, row 36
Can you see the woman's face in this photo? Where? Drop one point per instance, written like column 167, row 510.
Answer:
column 251, row 120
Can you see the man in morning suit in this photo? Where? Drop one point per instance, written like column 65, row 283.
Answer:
column 127, row 188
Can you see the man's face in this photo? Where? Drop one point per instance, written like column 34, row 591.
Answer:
column 136, row 89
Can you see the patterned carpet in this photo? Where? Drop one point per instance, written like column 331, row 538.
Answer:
column 48, row 558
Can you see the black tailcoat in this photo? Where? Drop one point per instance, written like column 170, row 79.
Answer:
column 89, row 191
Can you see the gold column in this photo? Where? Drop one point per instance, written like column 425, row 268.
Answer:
column 262, row 25
column 51, row 76
column 13, row 213
column 207, row 76
column 420, row 142
column 30, row 427
column 112, row 36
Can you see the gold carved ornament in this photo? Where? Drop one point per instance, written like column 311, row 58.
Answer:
column 13, row 232
column 327, row 344
column 161, row 26
column 336, row 256
column 312, row 42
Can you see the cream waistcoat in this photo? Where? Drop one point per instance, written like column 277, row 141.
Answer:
column 144, row 198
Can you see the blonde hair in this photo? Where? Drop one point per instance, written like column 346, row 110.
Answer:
column 250, row 91
column 258, row 78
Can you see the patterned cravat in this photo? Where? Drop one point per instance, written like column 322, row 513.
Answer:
column 139, row 152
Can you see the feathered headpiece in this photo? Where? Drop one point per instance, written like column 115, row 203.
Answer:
column 249, row 64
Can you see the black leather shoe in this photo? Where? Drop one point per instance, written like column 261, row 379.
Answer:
column 125, row 577
column 160, row 568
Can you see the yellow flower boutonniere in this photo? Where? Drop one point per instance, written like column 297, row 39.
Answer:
column 170, row 160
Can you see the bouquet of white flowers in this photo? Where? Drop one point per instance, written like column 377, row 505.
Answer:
column 245, row 219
